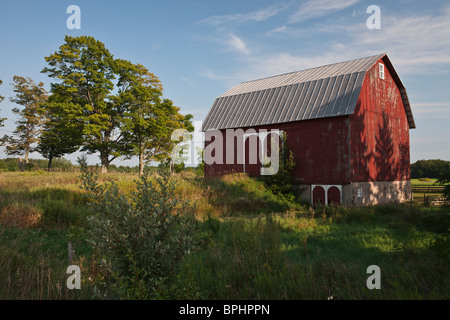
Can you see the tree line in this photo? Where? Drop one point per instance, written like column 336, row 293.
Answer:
column 97, row 104
column 429, row 168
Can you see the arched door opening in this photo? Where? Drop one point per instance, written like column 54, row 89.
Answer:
column 334, row 195
column 319, row 195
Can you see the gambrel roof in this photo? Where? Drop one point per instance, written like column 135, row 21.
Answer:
column 321, row 92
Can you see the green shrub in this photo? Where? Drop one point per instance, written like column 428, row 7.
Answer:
column 178, row 167
column 282, row 183
column 62, row 213
column 444, row 180
column 200, row 170
column 9, row 164
column 143, row 236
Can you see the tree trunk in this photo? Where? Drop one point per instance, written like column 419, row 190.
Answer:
column 104, row 160
column 26, row 157
column 49, row 167
column 141, row 164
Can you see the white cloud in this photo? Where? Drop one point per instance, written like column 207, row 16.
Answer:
column 211, row 75
column 258, row 15
column 278, row 30
column 236, row 44
column 317, row 8
column 417, row 43
column 428, row 140
column 431, row 110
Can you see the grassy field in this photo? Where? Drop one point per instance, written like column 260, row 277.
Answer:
column 420, row 198
column 253, row 245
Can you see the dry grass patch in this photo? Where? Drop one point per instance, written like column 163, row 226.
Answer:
column 17, row 216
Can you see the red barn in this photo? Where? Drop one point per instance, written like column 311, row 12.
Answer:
column 347, row 125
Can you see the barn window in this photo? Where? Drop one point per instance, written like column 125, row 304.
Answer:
column 359, row 192
column 381, row 70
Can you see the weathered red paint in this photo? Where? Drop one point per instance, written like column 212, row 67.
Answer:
column 379, row 131
column 319, row 147
column 370, row 145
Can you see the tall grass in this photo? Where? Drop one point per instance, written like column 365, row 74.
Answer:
column 33, row 266
column 292, row 256
column 255, row 245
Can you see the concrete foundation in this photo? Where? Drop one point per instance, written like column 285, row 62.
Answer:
column 364, row 193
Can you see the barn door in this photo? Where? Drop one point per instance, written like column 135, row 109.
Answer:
column 319, row 195
column 334, row 195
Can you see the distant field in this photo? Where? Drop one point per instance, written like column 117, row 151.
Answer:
column 417, row 182
column 253, row 245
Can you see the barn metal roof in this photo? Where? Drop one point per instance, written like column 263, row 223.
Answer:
column 321, row 92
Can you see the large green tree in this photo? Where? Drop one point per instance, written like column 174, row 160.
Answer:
column 149, row 120
column 1, row 99
column 61, row 133
column 31, row 97
column 116, row 105
column 85, row 71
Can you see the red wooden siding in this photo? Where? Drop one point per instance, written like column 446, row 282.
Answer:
column 379, row 131
column 320, row 147
column 372, row 144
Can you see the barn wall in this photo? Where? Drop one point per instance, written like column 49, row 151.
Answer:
column 320, row 146
column 379, row 131
column 376, row 192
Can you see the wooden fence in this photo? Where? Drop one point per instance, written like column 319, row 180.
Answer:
column 427, row 189
column 435, row 200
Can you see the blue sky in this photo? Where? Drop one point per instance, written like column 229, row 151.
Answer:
column 200, row 49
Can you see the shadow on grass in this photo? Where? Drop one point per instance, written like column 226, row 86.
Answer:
column 292, row 257
column 57, row 207
column 239, row 194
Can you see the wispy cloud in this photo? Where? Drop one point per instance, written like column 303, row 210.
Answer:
column 317, row 8
column 429, row 110
column 225, row 27
column 239, row 18
column 236, row 44
column 417, row 42
column 211, row 75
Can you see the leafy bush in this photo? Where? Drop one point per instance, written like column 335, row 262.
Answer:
column 444, row 180
column 200, row 170
column 9, row 164
column 282, row 183
column 143, row 236
column 179, row 167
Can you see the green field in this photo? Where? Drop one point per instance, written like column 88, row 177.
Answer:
column 420, row 197
column 252, row 244
column 420, row 182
